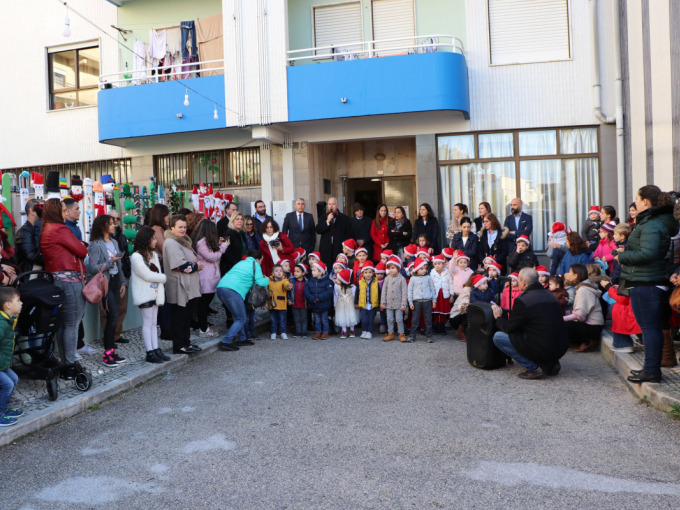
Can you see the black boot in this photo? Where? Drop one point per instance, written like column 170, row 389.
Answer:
column 152, row 357
column 162, row 355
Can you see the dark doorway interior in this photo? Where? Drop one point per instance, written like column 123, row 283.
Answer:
column 368, row 192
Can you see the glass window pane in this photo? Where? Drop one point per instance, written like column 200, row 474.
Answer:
column 496, row 145
column 578, row 141
column 537, row 143
column 64, row 100
column 244, row 167
column 473, row 183
column 554, row 190
column 456, row 147
column 87, row 97
column 207, row 168
column 64, row 70
column 88, row 67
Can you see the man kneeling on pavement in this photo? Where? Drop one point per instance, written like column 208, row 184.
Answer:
column 534, row 335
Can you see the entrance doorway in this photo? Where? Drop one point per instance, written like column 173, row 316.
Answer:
column 372, row 192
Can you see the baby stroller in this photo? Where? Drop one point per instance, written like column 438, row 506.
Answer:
column 37, row 326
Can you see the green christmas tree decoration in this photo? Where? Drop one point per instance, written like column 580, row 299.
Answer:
column 175, row 199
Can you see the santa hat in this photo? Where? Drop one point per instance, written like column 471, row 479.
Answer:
column 448, row 253
column 496, row 266
column 558, row 226
column 320, row 266
column 350, row 244
column 345, row 276
column 299, row 253
column 478, row 279
column 302, row 266
column 37, row 178
column 359, row 250
column 439, row 258
column 338, row 263
column 419, row 263
column 411, row 250
column 543, row 271
column 409, row 266
column 514, row 276
column 608, row 227
column 386, row 253
column 393, row 260
column 489, row 259
column 314, row 254
column 524, row 238
column 461, row 255
column 380, row 268
column 367, row 265
column 594, row 209
column 343, row 256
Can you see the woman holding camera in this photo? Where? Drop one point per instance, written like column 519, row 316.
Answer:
column 275, row 247
column 234, row 233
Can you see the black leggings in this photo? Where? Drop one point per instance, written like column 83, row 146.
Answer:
column 181, row 323
column 583, row 332
column 203, row 307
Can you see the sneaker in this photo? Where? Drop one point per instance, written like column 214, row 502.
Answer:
column 369, row 335
column 119, row 359
column 622, row 349
column 284, row 336
column 208, row 333
column 351, row 334
column 430, row 341
column 108, row 361
column 6, row 421
column 86, row 350
column 363, row 334
column 343, row 335
column 13, row 413
column 78, row 356
column 273, row 337
column 295, row 335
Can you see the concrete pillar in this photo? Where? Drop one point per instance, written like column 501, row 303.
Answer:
column 426, row 176
column 266, row 173
column 289, row 174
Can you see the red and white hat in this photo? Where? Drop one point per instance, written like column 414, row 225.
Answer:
column 478, row 279
column 315, row 254
column 345, row 276
column 342, row 256
column 380, row 268
column 460, row 255
column 299, row 254
column 496, row 266
column 302, row 266
column 489, row 259
column 386, row 253
column 514, row 276
column 359, row 250
column 338, row 263
column 411, row 250
column 543, row 271
column 367, row 265
column 448, row 253
column 393, row 260
column 320, row 266
column 594, row 209
column 524, row 239
column 439, row 258
column 419, row 263
column 410, row 265
column 558, row 226
column 350, row 244
column 423, row 251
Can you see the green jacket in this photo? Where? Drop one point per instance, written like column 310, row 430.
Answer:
column 6, row 342
column 644, row 262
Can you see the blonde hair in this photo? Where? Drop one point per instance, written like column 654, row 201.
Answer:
column 234, row 217
column 623, row 229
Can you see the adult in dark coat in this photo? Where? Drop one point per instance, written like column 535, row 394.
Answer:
column 260, row 215
column 534, row 335
column 334, row 229
column 399, row 230
column 361, row 228
column 427, row 224
column 467, row 242
column 233, row 230
column 493, row 241
column 518, row 223
column 27, row 245
column 304, row 237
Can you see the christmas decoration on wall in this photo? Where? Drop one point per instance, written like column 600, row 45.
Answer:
column 88, row 206
column 153, row 192
column 52, row 185
column 63, row 187
column 175, row 200
column 38, row 185
column 99, row 202
column 76, row 188
column 24, row 182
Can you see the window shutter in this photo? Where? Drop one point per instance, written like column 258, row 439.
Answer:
column 335, row 25
column 525, row 31
column 392, row 19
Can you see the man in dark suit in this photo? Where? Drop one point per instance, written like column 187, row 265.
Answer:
column 299, row 227
column 518, row 223
column 361, row 228
column 334, row 229
column 260, row 215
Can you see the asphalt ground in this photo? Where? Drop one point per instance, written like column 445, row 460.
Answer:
column 355, row 424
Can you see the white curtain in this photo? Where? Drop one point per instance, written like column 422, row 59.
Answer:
column 496, row 145
column 537, row 143
column 578, row 141
column 456, row 147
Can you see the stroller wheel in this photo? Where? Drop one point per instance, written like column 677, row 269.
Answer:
column 52, row 389
column 83, row 381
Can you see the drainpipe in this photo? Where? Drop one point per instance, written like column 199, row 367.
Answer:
column 618, row 96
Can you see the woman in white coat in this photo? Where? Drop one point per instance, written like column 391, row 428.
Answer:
column 148, row 291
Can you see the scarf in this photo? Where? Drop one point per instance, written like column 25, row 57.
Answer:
column 184, row 241
column 272, row 251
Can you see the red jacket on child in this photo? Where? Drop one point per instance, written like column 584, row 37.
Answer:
column 623, row 320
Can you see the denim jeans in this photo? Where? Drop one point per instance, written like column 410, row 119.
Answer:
column 278, row 321
column 621, row 340
column 383, row 318
column 250, row 322
column 321, row 321
column 647, row 303
column 234, row 303
column 300, row 318
column 72, row 312
column 8, row 380
column 188, row 29
column 502, row 341
column 367, row 319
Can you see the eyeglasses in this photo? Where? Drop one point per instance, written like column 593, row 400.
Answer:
column 115, row 219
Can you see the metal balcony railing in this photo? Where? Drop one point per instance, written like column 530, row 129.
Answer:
column 151, row 74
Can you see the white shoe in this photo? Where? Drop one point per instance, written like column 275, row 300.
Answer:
column 208, row 333
column 284, row 336
column 86, row 350
column 622, row 349
column 369, row 335
column 273, row 337
column 78, row 356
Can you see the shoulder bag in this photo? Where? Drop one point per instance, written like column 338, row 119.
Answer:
column 257, row 295
column 96, row 288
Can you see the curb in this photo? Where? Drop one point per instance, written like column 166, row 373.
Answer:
column 653, row 394
column 60, row 411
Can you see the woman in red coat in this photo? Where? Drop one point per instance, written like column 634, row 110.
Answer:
column 379, row 232
column 275, row 247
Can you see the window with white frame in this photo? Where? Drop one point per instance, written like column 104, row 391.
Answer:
column 338, row 25
column 73, row 76
column 393, row 19
column 528, row 31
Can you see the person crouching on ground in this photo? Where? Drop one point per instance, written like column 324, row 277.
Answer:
column 534, row 334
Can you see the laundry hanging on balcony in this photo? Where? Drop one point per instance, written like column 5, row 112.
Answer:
column 209, row 38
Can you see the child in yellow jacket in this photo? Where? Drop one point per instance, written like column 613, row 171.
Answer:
column 278, row 301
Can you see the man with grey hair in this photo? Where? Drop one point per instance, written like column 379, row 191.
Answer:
column 299, row 227
column 27, row 238
column 534, row 335
column 334, row 228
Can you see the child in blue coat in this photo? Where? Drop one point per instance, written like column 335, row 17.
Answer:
column 319, row 296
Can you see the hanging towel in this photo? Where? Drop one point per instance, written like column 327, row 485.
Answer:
column 138, row 62
column 210, row 42
column 174, row 40
column 157, row 43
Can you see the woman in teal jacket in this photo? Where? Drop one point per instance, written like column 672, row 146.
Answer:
column 232, row 290
column 645, row 270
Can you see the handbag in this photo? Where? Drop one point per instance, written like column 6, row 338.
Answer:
column 257, row 295
column 674, row 300
column 96, row 288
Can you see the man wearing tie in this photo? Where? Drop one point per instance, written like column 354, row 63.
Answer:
column 299, row 227
column 519, row 223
